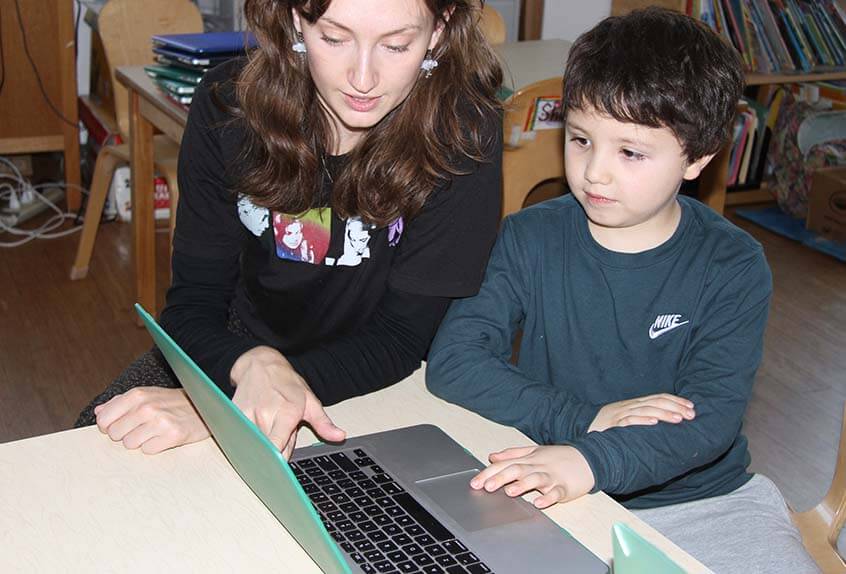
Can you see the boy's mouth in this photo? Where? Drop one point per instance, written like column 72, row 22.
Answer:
column 599, row 199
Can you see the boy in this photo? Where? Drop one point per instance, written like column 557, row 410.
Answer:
column 642, row 312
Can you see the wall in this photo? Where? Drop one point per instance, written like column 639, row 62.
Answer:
column 567, row 19
column 83, row 50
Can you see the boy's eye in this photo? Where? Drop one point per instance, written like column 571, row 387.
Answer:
column 632, row 155
column 579, row 141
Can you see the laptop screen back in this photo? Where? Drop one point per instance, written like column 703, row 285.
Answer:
column 252, row 455
column 633, row 554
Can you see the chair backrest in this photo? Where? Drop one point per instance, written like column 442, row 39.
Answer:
column 126, row 26
column 530, row 156
column 493, row 25
column 623, row 7
column 835, row 499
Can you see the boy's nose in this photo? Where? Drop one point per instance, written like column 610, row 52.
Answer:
column 596, row 172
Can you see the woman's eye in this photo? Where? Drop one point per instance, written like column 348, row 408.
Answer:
column 331, row 41
column 632, row 155
column 397, row 49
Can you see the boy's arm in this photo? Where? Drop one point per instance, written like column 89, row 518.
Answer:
column 469, row 360
column 716, row 374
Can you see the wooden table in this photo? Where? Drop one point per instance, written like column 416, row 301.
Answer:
column 75, row 501
column 148, row 109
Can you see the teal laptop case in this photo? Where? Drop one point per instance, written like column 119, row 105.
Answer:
column 252, row 455
column 635, row 555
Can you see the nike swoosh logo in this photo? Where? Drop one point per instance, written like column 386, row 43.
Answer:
column 655, row 333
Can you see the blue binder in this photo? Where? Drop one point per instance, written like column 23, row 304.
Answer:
column 207, row 44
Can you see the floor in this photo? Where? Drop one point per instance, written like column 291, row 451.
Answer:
column 62, row 341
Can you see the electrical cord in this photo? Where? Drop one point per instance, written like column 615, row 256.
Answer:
column 35, row 69
column 13, row 187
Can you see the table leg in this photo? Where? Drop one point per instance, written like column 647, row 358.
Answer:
column 712, row 182
column 143, row 224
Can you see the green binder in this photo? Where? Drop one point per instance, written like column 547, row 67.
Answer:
column 171, row 73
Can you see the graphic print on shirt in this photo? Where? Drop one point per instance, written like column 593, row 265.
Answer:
column 664, row 324
column 303, row 237
column 356, row 243
column 254, row 218
column 395, row 232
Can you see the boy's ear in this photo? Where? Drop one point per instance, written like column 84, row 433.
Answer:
column 694, row 169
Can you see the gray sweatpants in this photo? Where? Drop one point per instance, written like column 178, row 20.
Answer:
column 745, row 532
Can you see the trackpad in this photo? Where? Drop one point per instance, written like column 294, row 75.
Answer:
column 472, row 509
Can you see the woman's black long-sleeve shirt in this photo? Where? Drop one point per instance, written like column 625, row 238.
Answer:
column 353, row 308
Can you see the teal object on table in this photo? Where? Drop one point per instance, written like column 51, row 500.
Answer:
column 253, row 456
column 633, row 554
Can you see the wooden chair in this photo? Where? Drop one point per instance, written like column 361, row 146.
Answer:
column 820, row 526
column 493, row 25
column 623, row 7
column 125, row 27
column 529, row 161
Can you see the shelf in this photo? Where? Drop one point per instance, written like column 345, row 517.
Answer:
column 755, row 79
column 749, row 196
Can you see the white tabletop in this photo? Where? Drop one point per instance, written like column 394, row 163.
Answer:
column 524, row 63
column 74, row 501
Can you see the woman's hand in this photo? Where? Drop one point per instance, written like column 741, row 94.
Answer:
column 559, row 473
column 151, row 418
column 273, row 395
column 646, row 410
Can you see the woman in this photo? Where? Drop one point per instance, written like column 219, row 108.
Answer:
column 338, row 188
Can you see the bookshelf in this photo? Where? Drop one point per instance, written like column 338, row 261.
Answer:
column 28, row 123
column 715, row 175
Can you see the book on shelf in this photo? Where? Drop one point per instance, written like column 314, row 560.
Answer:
column 834, row 91
column 752, row 132
column 783, row 60
column 779, row 36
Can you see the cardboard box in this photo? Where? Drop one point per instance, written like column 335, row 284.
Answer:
column 827, row 203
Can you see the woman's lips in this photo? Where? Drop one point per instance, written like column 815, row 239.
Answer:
column 361, row 104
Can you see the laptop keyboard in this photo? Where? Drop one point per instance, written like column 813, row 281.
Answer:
column 376, row 522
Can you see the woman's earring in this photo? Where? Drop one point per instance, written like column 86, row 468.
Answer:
column 299, row 46
column 429, row 63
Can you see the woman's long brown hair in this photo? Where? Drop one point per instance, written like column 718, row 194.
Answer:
column 400, row 160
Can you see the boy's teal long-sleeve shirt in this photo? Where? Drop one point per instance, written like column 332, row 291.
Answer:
column 685, row 318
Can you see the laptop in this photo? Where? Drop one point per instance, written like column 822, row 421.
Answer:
column 208, row 43
column 395, row 501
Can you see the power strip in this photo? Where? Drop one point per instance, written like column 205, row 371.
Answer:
column 30, row 210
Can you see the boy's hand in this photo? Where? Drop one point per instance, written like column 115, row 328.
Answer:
column 559, row 473
column 646, row 410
